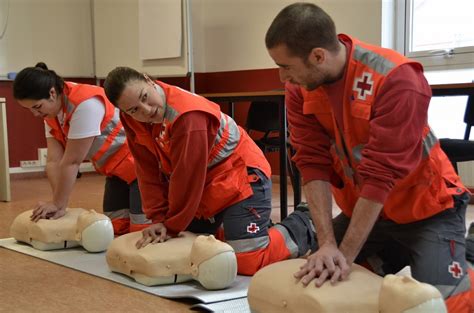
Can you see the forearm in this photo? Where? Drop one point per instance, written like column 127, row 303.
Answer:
column 52, row 171
column 364, row 216
column 318, row 195
column 66, row 177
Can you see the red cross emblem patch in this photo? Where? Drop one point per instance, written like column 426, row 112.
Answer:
column 253, row 228
column 363, row 85
column 455, row 269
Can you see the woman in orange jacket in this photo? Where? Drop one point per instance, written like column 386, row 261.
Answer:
column 81, row 124
column 198, row 169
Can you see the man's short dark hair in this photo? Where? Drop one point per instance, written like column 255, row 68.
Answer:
column 302, row 27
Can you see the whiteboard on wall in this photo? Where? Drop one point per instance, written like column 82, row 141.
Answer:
column 156, row 41
column 116, row 31
column 57, row 32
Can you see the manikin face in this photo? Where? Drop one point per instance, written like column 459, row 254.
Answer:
column 309, row 74
column 141, row 100
column 44, row 108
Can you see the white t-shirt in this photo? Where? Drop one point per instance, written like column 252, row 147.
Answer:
column 85, row 121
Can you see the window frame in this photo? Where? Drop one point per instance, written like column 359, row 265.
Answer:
column 460, row 57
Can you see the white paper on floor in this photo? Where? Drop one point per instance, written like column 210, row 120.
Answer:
column 95, row 264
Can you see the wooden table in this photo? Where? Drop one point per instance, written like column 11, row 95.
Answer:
column 278, row 97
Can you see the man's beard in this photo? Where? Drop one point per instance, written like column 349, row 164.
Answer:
column 325, row 81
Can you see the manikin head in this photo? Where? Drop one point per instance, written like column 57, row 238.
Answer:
column 403, row 294
column 96, row 231
column 135, row 94
column 213, row 262
column 38, row 89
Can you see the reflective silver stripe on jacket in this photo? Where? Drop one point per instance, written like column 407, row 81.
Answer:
column 428, row 143
column 69, row 106
column 348, row 171
column 100, row 140
column 170, row 114
column 357, row 152
column 227, row 124
column 373, row 60
column 247, row 245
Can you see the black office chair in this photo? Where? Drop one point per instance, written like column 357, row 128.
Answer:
column 461, row 150
column 264, row 116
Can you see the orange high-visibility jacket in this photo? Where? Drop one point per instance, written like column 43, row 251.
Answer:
column 227, row 181
column 424, row 192
column 109, row 152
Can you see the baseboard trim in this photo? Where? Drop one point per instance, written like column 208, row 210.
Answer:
column 40, row 171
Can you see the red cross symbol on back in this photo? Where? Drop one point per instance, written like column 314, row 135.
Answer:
column 455, row 269
column 363, row 85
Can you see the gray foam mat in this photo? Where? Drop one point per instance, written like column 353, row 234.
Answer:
column 95, row 264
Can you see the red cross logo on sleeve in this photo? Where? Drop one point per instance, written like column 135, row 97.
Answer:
column 455, row 269
column 363, row 85
column 253, row 228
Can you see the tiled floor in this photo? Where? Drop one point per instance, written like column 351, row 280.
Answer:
column 45, row 283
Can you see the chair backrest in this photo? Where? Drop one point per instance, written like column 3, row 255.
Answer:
column 469, row 116
column 263, row 116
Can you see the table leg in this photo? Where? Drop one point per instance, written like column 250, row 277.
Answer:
column 231, row 110
column 283, row 156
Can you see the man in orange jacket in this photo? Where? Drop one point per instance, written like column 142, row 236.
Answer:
column 358, row 118
column 198, row 170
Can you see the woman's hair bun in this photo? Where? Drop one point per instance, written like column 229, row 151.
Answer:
column 42, row 65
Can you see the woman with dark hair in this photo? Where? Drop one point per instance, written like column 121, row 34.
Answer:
column 198, row 170
column 81, row 124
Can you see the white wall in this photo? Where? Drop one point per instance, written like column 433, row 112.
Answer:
column 57, row 32
column 229, row 34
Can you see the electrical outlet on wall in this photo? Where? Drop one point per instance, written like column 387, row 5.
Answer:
column 43, row 156
column 30, row 163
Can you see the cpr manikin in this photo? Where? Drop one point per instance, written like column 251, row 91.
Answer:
column 274, row 289
column 78, row 227
column 187, row 257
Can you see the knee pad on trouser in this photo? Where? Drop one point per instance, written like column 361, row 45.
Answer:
column 301, row 229
column 462, row 302
column 249, row 262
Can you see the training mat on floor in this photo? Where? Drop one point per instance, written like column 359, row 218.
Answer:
column 95, row 264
